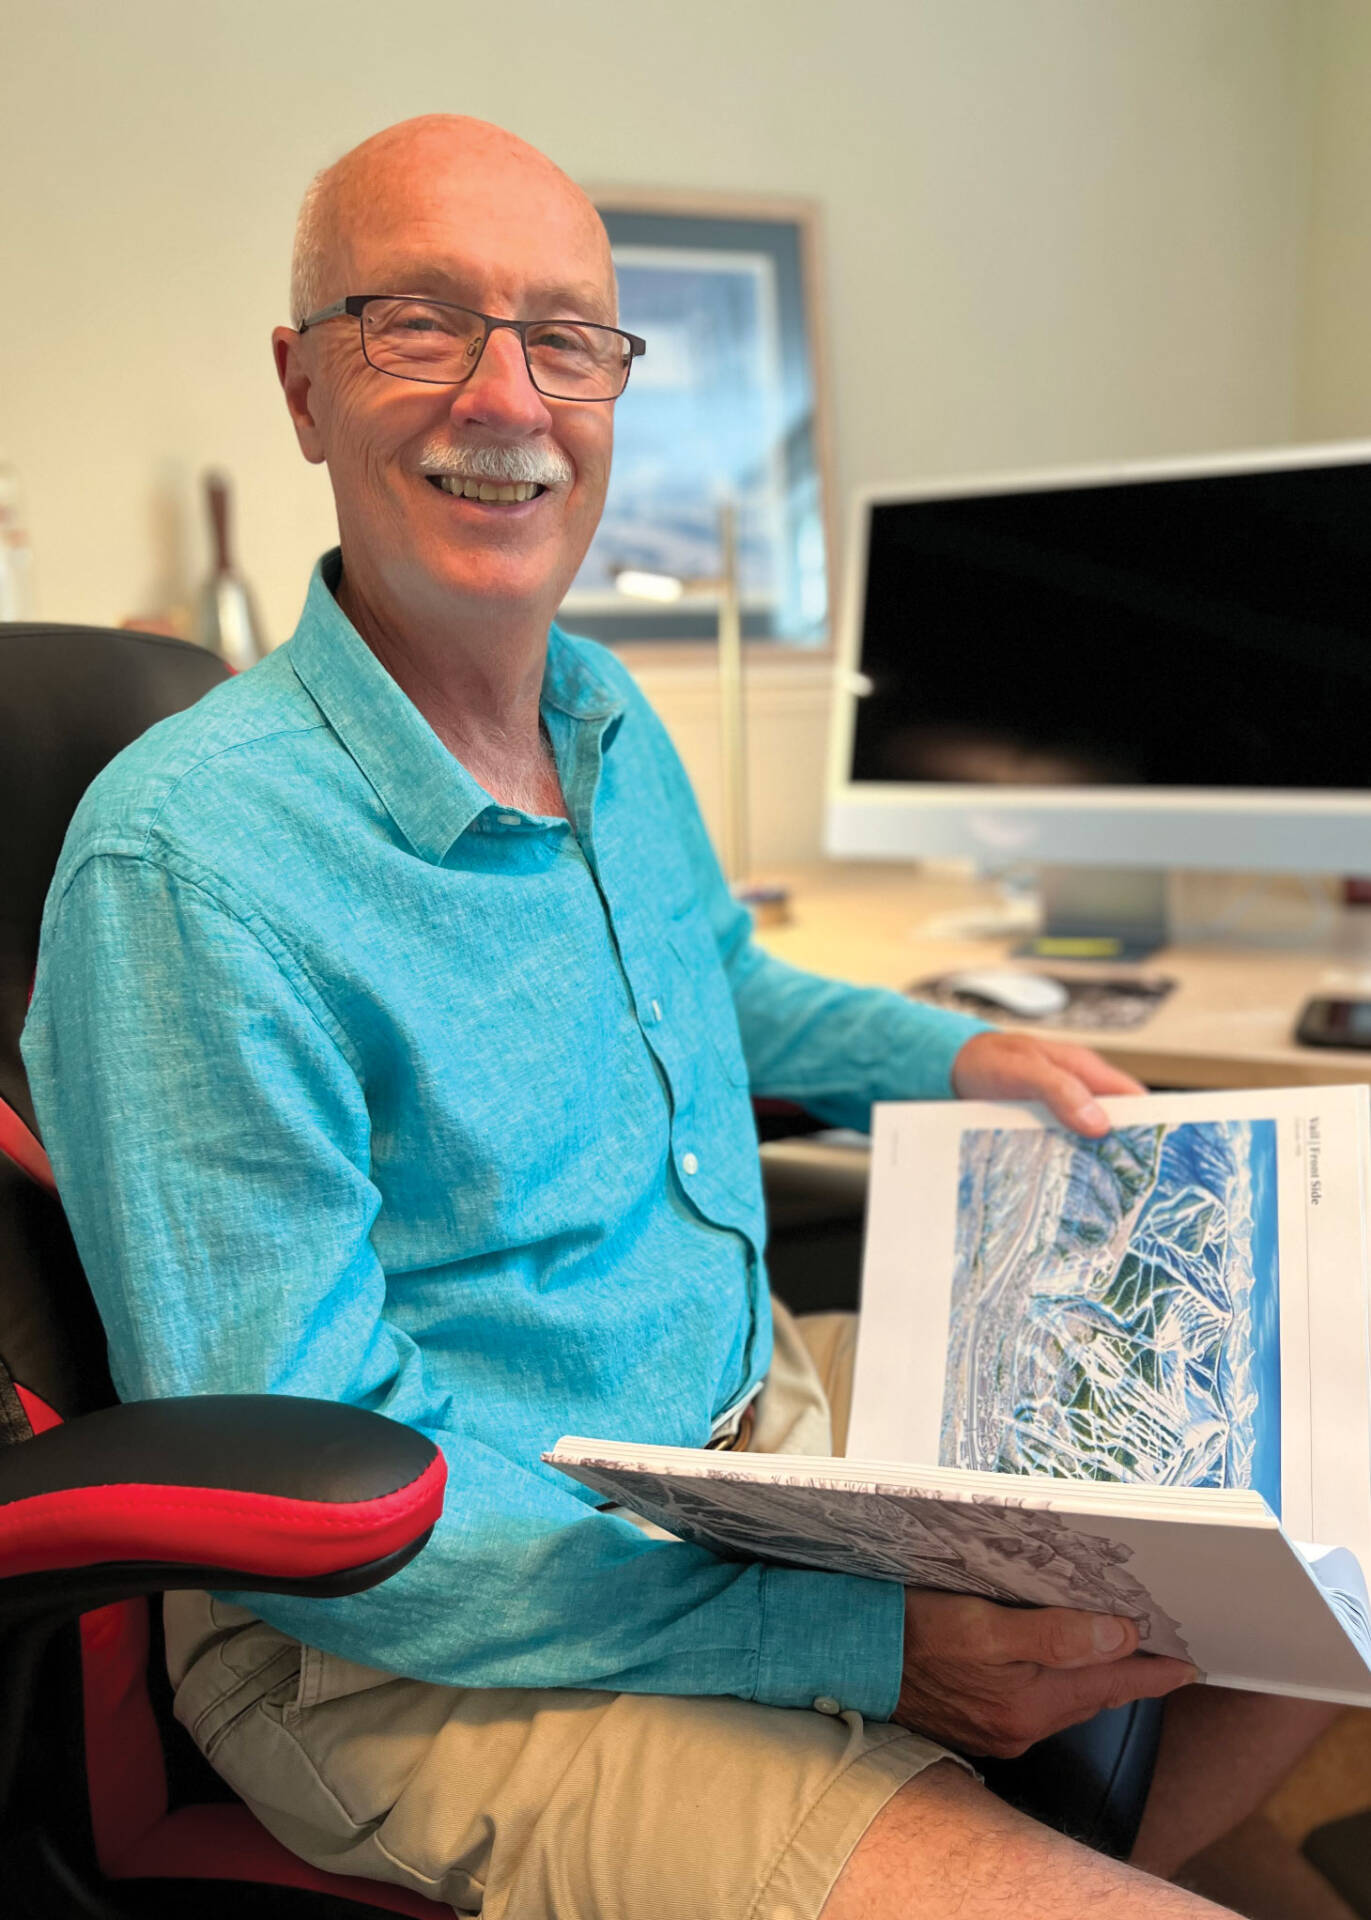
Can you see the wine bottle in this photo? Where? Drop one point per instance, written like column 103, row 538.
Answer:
column 226, row 617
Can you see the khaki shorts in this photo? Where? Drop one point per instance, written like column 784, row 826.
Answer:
column 553, row 1804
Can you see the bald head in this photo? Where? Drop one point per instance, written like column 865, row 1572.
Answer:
column 387, row 180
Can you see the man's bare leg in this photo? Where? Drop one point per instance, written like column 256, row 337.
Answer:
column 943, row 1848
column 1222, row 1753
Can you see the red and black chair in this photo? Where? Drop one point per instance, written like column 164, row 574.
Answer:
column 107, row 1811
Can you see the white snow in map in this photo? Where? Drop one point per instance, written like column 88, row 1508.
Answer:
column 1103, row 1303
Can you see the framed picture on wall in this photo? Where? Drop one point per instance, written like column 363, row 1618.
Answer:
column 726, row 402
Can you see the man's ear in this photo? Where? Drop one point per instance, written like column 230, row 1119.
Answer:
column 289, row 350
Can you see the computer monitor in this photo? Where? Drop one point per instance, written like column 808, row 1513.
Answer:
column 1147, row 667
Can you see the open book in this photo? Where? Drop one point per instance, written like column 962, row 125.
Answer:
column 1128, row 1375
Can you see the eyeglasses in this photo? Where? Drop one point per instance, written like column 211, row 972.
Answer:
column 440, row 344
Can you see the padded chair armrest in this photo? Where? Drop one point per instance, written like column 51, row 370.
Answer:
column 231, row 1490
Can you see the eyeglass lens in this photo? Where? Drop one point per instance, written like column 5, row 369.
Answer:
column 423, row 340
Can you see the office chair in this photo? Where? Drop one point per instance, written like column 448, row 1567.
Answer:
column 106, row 1809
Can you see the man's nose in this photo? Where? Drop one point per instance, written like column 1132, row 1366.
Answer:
column 500, row 392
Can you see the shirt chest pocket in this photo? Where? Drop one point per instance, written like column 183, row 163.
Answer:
column 704, row 1003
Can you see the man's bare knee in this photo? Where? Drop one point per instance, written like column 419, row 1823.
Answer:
column 943, row 1846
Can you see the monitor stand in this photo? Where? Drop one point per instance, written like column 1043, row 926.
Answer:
column 1099, row 913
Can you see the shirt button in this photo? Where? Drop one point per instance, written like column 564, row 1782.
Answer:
column 656, row 1009
column 509, row 819
column 689, row 1164
column 825, row 1703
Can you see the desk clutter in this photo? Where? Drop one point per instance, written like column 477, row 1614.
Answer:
column 1094, row 1001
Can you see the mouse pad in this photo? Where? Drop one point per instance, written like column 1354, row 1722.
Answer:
column 1096, row 1000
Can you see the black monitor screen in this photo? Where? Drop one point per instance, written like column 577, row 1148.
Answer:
column 1206, row 631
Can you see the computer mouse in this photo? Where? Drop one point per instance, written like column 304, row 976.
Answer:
column 1030, row 996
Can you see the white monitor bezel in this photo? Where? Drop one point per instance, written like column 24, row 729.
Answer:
column 1261, row 829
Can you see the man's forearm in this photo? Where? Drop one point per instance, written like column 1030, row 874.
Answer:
column 563, row 1596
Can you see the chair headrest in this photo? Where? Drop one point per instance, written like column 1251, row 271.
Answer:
column 71, row 698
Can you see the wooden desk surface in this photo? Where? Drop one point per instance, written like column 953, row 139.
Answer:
column 1228, row 1023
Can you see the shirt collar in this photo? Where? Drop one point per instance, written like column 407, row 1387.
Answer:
column 426, row 791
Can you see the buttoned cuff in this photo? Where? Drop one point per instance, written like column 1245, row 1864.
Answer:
column 832, row 1641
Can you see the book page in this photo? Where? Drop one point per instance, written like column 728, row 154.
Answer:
column 1340, row 1575
column 1139, row 1308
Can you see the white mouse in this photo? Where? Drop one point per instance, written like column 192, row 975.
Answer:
column 1029, row 995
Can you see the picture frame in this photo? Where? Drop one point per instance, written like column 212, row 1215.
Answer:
column 728, row 401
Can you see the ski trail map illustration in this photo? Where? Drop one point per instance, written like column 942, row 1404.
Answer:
column 1115, row 1306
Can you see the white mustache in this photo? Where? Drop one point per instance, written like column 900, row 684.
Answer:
column 505, row 462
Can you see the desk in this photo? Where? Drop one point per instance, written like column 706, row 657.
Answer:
column 1227, row 1024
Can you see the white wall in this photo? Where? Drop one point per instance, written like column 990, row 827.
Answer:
column 1334, row 394
column 1056, row 229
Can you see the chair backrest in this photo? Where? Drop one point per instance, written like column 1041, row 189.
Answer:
column 71, row 698
column 95, row 1765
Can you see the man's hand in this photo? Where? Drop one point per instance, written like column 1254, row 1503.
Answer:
column 991, row 1680
column 1016, row 1066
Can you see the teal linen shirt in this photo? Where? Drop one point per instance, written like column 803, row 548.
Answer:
column 360, row 1084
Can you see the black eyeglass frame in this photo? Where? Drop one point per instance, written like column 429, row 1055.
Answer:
column 352, row 305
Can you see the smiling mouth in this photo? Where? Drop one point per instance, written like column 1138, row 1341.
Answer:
column 485, row 490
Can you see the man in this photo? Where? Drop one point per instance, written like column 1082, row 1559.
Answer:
column 392, row 1040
